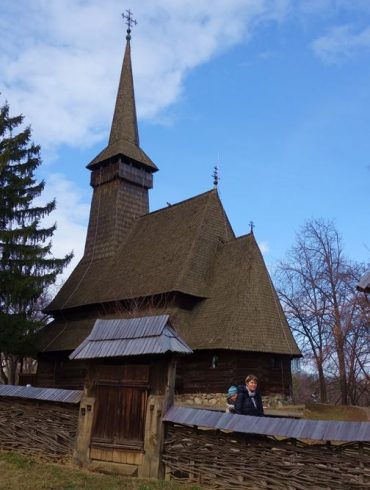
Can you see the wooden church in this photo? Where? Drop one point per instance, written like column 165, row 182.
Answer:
column 183, row 261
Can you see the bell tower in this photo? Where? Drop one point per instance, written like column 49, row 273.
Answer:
column 121, row 174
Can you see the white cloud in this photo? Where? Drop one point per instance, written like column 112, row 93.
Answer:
column 264, row 247
column 61, row 60
column 341, row 43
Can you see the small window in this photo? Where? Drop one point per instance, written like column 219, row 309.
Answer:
column 214, row 362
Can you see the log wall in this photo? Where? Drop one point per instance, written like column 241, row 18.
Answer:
column 60, row 372
column 230, row 461
column 202, row 372
column 214, row 371
column 44, row 429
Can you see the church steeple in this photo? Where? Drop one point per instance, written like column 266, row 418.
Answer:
column 124, row 123
column 124, row 134
column 121, row 174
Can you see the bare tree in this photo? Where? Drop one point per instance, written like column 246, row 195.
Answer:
column 317, row 286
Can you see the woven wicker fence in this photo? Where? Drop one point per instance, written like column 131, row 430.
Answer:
column 221, row 460
column 44, row 429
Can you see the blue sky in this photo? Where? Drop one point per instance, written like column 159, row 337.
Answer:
column 276, row 92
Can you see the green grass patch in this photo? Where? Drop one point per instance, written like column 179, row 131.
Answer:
column 19, row 472
column 17, row 460
column 321, row 411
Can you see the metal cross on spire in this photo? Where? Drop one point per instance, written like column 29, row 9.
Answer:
column 128, row 18
column 215, row 176
column 252, row 225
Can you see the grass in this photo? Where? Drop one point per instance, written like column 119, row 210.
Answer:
column 320, row 411
column 19, row 472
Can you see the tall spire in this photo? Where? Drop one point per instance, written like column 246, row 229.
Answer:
column 124, row 134
column 124, row 123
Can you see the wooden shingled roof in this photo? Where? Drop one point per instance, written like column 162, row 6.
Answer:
column 124, row 135
column 242, row 310
column 188, row 247
column 172, row 249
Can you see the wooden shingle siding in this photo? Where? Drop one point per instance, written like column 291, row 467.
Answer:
column 115, row 206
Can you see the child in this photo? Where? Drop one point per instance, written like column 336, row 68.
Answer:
column 232, row 394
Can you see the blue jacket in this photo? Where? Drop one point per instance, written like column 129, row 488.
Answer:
column 244, row 404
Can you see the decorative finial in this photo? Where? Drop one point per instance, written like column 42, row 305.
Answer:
column 215, row 176
column 252, row 225
column 130, row 21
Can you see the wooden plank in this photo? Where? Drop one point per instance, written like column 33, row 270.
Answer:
column 134, row 458
column 124, row 373
column 119, row 415
column 119, row 456
column 101, row 454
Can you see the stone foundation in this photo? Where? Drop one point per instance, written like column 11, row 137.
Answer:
column 218, row 400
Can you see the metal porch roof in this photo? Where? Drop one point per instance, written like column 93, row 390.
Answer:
column 130, row 337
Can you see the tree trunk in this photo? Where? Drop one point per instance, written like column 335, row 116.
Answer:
column 339, row 343
column 3, row 376
column 342, row 378
column 11, row 365
column 322, row 384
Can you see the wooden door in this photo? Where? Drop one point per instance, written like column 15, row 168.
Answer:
column 119, row 418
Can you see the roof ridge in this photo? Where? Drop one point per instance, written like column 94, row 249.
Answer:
column 246, row 235
column 238, row 238
column 198, row 196
column 226, row 218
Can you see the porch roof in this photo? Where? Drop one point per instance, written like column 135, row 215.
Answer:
column 131, row 337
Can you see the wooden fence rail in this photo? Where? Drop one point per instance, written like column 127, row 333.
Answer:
column 223, row 460
column 45, row 429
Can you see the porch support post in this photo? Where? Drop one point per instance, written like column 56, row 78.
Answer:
column 154, row 427
column 85, row 422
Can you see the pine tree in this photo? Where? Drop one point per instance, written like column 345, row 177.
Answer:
column 27, row 267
